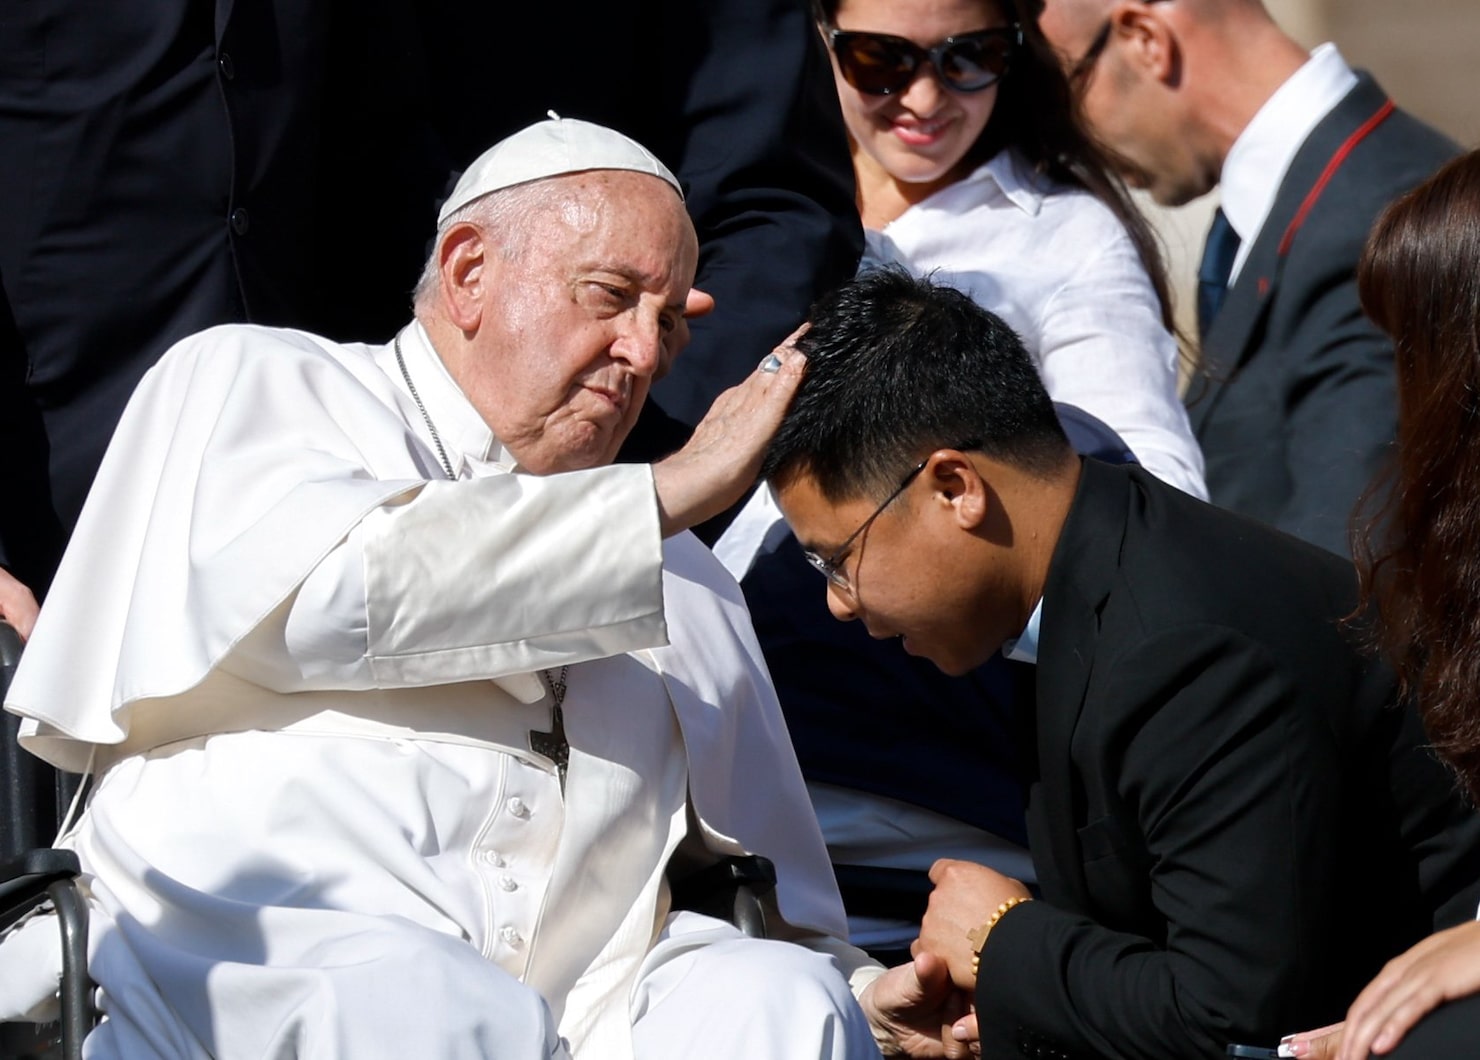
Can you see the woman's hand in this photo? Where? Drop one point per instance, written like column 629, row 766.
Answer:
column 1443, row 967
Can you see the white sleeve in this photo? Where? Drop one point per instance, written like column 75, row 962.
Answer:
column 475, row 579
column 1104, row 349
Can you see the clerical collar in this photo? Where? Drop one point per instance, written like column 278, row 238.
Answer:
column 1025, row 647
column 467, row 439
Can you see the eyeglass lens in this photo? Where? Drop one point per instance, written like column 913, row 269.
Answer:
column 878, row 64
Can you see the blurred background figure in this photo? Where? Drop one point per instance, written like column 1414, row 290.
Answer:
column 1296, row 412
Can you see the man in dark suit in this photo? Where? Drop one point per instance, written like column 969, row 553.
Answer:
column 1297, row 408
column 1232, row 825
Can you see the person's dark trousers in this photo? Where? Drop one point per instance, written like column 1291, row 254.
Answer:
column 1450, row 1032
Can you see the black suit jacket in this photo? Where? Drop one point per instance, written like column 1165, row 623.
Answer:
column 1232, row 825
column 1299, row 409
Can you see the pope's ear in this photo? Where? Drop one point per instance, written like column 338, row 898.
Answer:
column 461, row 261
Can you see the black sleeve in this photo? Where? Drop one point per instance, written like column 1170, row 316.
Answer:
column 1221, row 826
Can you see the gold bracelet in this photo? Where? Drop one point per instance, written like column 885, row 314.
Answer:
column 978, row 936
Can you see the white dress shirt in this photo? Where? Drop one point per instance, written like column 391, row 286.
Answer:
column 1256, row 164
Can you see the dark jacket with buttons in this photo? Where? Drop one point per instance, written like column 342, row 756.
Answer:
column 1233, row 826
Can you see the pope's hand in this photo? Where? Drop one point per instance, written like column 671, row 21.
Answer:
column 17, row 605
column 912, row 1008
column 721, row 460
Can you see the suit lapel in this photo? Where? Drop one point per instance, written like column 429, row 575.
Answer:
column 1085, row 566
column 1235, row 332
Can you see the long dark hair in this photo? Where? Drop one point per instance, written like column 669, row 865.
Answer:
column 1037, row 114
column 1419, row 279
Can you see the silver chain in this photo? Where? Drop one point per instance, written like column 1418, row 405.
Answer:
column 552, row 744
column 427, row 419
column 557, row 684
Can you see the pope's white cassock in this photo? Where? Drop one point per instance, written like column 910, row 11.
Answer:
column 305, row 666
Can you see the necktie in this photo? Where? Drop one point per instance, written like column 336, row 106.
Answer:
column 1212, row 275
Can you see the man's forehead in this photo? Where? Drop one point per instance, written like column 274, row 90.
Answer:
column 818, row 522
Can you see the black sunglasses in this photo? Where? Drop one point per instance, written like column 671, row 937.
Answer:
column 878, row 64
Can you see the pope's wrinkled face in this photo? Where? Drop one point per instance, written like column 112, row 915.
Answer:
column 577, row 324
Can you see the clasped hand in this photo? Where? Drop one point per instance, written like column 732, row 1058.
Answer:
column 926, row 1006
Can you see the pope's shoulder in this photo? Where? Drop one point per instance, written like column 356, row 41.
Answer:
column 246, row 342
column 227, row 352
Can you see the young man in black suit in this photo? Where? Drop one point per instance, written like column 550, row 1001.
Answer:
column 1297, row 410
column 1232, row 824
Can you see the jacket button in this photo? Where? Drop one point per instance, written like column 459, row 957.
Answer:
column 240, row 221
column 227, row 67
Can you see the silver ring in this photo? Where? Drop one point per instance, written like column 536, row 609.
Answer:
column 771, row 363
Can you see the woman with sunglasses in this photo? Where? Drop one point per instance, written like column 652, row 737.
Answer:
column 971, row 165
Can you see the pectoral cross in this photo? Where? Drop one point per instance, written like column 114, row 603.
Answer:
column 553, row 744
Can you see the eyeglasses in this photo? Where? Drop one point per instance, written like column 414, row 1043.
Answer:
column 831, row 567
column 1080, row 71
column 878, row 64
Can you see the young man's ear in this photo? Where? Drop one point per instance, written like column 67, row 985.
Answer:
column 956, row 482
